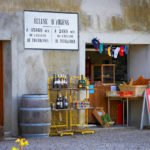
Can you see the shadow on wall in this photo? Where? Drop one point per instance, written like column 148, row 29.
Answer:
column 36, row 75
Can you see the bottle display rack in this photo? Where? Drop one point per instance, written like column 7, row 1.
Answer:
column 73, row 118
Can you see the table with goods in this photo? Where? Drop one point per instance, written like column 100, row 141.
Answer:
column 128, row 92
column 68, row 97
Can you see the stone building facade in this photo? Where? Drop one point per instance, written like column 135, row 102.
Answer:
column 27, row 71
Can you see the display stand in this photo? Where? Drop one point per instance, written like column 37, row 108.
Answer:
column 71, row 120
column 145, row 116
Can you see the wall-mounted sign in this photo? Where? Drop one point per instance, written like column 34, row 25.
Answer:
column 51, row 30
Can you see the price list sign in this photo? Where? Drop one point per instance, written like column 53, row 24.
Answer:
column 51, row 30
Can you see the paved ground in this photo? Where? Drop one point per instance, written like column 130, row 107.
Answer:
column 103, row 139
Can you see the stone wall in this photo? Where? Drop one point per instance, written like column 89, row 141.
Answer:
column 27, row 71
column 98, row 15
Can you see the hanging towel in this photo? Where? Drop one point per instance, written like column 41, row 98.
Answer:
column 126, row 49
column 121, row 52
column 116, row 51
column 101, row 48
column 95, row 43
column 109, row 49
column 112, row 51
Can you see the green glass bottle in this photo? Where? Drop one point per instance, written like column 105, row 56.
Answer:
column 81, row 82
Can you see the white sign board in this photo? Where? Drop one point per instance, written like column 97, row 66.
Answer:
column 51, row 30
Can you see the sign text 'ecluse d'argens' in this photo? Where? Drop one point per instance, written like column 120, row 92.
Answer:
column 51, row 30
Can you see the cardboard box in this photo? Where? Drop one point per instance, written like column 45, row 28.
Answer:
column 98, row 112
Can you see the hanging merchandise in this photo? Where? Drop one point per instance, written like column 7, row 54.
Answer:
column 121, row 52
column 116, row 51
column 95, row 43
column 126, row 49
column 101, row 48
column 112, row 51
column 109, row 51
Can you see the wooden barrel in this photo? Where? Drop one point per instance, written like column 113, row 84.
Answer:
column 34, row 115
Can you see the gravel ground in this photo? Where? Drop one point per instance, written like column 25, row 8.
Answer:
column 103, row 139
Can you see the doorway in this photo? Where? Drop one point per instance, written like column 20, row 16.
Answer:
column 104, row 71
column 1, row 84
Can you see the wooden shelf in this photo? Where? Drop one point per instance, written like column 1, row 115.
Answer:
column 103, row 72
column 63, row 89
column 54, row 109
column 83, row 108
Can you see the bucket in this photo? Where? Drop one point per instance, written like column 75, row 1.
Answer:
column 34, row 115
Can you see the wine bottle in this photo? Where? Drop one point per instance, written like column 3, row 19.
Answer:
column 60, row 79
column 81, row 82
column 59, row 85
column 57, row 103
column 65, row 102
column 61, row 101
column 54, row 81
column 67, row 80
column 64, row 84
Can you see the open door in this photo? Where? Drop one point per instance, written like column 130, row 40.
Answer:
column 1, row 84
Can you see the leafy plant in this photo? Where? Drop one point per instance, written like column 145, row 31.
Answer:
column 106, row 118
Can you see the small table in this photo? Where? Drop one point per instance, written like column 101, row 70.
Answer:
column 123, row 99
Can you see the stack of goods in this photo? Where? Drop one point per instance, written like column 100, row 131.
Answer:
column 80, row 105
column 61, row 102
column 141, row 81
column 126, row 93
column 60, row 81
column 134, row 88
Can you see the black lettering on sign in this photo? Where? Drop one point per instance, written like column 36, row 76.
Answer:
column 28, row 40
column 67, row 41
column 62, row 22
column 36, row 30
column 40, row 40
column 52, row 21
column 72, row 31
column 40, row 21
column 63, row 31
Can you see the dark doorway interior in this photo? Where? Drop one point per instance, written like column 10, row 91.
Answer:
column 94, row 57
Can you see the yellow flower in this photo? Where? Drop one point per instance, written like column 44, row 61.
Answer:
column 18, row 140
column 26, row 143
column 14, row 148
column 23, row 142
